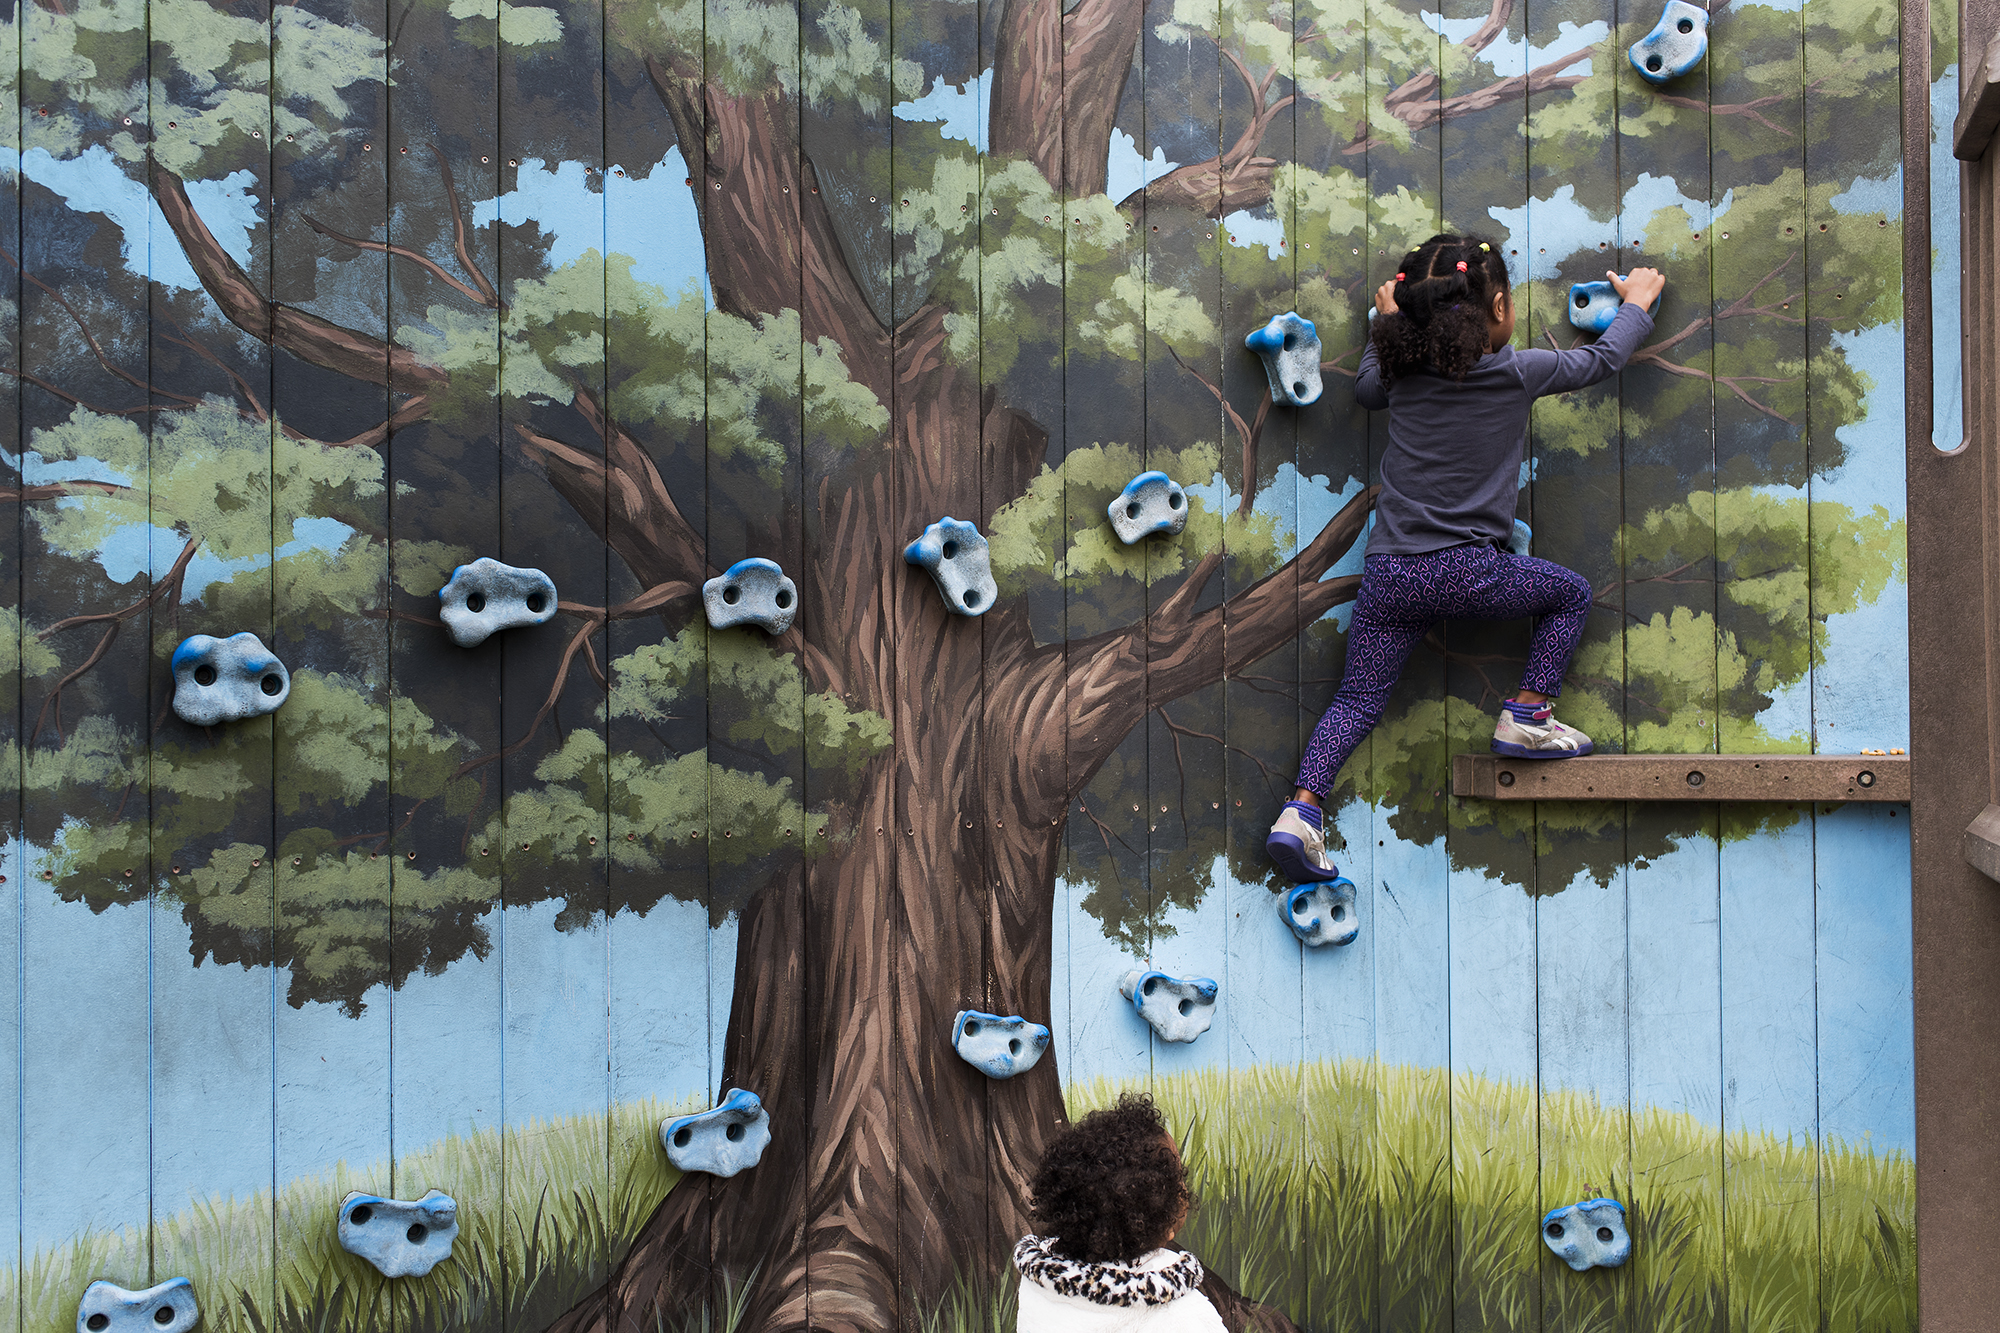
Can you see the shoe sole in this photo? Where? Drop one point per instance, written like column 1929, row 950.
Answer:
column 1514, row 751
column 1290, row 855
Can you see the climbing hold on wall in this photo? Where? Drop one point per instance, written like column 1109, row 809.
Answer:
column 1523, row 537
column 723, row 1141
column 751, row 592
column 1179, row 1008
column 1593, row 305
column 1321, row 913
column 401, row 1237
column 486, row 597
column 1150, row 503
column 227, row 680
column 109, row 1308
column 956, row 556
column 1289, row 345
column 998, row 1047
column 1675, row 45
column 1590, row 1234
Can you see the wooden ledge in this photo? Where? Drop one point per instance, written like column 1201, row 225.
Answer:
column 1684, row 777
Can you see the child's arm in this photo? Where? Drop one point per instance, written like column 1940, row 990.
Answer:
column 1546, row 372
column 1368, row 390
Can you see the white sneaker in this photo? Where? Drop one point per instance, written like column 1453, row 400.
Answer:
column 1541, row 737
column 1300, row 850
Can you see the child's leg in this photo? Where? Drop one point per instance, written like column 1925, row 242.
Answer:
column 1481, row 583
column 1379, row 640
column 1562, row 600
column 1376, row 652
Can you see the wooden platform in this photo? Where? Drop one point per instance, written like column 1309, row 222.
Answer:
column 1682, row 777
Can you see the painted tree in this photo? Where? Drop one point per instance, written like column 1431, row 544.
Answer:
column 886, row 795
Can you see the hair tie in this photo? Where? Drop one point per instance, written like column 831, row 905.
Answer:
column 1399, row 277
column 1484, row 247
column 1461, row 266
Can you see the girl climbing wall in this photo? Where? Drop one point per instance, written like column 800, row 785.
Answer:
column 1458, row 398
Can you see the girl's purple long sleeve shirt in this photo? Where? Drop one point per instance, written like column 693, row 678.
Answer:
column 1452, row 472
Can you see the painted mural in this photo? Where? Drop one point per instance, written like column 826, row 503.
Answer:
column 311, row 304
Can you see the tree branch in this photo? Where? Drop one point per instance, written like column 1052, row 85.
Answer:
column 576, row 642
column 1176, row 651
column 622, row 496
column 56, row 490
column 1236, row 179
column 1249, row 434
column 167, row 589
column 1415, row 101
column 480, row 295
column 316, row 341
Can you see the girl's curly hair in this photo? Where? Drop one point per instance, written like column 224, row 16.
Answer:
column 1443, row 291
column 1110, row 1188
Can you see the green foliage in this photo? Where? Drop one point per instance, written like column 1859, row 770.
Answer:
column 1332, row 1191
column 1056, row 532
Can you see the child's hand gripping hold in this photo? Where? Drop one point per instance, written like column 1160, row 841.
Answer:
column 1641, row 288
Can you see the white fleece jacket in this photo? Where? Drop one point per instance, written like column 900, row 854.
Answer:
column 1155, row 1294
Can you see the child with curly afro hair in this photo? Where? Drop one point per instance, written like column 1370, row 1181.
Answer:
column 1109, row 1196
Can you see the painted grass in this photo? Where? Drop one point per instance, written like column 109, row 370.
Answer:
column 549, row 1205
column 1328, row 1191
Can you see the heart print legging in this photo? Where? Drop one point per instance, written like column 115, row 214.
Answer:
column 1403, row 596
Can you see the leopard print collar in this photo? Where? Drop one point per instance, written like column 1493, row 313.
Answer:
column 1105, row 1284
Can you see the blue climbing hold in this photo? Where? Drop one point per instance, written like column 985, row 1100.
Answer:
column 1321, row 913
column 751, row 592
column 1178, row 1008
column 1522, row 539
column 1590, row 1234
column 401, row 1237
column 1289, row 346
column 1150, row 503
column 998, row 1047
column 227, row 680
column 1675, row 45
column 1593, row 305
column 486, row 597
column 957, row 558
column 723, row 1141
column 108, row 1308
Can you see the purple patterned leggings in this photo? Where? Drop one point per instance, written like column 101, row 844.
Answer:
column 1403, row 596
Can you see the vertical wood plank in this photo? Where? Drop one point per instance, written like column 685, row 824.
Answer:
column 553, row 933
column 1674, row 1208
column 1582, row 1073
column 1853, row 252
column 444, row 510
column 332, row 1042
column 1489, row 166
column 669, row 969
column 85, row 831
column 946, row 898
column 1408, row 756
column 848, row 149
column 1337, row 1189
column 1866, row 1061
column 15, row 639
column 849, row 155
column 1103, row 433
column 1762, row 536
column 1770, row 1080
column 213, row 1020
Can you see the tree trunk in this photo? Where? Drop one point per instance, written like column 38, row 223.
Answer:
column 895, row 1168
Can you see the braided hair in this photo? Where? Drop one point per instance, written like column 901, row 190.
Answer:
column 1443, row 292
